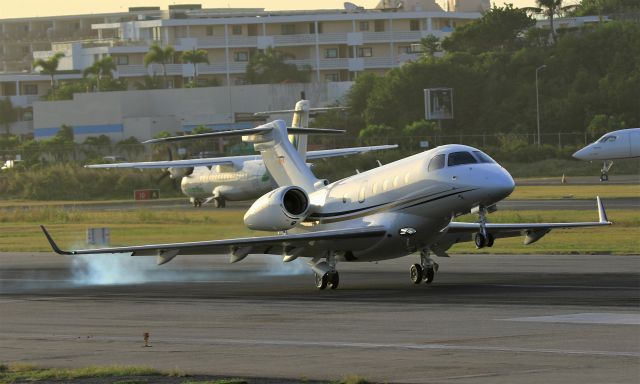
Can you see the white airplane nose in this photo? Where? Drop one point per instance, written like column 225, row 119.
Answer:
column 580, row 154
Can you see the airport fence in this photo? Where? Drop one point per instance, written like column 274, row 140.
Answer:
column 85, row 153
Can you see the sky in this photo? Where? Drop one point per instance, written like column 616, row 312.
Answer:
column 32, row 8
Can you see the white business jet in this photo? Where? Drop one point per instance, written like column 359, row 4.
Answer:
column 622, row 144
column 239, row 178
column 387, row 212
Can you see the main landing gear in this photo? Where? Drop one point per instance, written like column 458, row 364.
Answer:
column 325, row 272
column 425, row 271
column 219, row 202
column 197, row 203
column 604, row 172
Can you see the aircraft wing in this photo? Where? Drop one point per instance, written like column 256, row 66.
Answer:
column 460, row 232
column 240, row 247
column 206, row 162
column 232, row 160
column 326, row 153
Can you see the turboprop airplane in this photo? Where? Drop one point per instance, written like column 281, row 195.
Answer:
column 621, row 144
column 239, row 178
column 391, row 211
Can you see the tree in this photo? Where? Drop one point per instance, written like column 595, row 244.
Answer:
column 100, row 69
column 162, row 56
column 499, row 29
column 130, row 146
column 430, row 44
column 149, row 82
column 8, row 114
column 49, row 67
column 195, row 57
column 550, row 8
column 61, row 145
column 270, row 67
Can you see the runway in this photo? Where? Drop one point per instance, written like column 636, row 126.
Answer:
column 486, row 318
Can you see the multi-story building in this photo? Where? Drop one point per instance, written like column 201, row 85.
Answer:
column 334, row 44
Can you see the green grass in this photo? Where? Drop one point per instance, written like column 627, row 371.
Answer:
column 20, row 372
column 605, row 191
column 352, row 379
column 19, row 231
column 221, row 381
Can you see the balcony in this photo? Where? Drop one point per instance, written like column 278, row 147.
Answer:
column 377, row 62
column 303, row 39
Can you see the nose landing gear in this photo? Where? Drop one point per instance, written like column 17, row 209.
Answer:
column 604, row 172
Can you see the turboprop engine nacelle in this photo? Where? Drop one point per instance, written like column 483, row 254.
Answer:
column 278, row 210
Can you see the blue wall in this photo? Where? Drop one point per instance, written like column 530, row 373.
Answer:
column 95, row 130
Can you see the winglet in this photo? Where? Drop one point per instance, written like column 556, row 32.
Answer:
column 53, row 244
column 602, row 214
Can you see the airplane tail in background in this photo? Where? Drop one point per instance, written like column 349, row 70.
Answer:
column 300, row 120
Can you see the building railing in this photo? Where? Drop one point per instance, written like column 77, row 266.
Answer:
column 294, row 39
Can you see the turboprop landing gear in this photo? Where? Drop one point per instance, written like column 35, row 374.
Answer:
column 604, row 172
column 219, row 202
column 425, row 271
column 325, row 273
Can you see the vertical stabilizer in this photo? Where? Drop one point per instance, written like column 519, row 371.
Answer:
column 300, row 120
column 281, row 158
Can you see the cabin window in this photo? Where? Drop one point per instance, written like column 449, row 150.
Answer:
column 407, row 178
column 437, row 162
column 385, row 185
column 395, row 182
column 608, row 139
column 361, row 195
column 483, row 157
column 459, row 158
column 374, row 189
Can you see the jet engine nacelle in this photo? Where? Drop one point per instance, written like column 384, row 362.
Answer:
column 178, row 173
column 278, row 210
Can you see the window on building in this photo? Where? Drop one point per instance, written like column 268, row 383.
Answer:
column 414, row 25
column 210, row 30
column 122, row 60
column 332, row 77
column 252, row 30
column 236, row 29
column 363, row 26
column 312, row 27
column 241, row 56
column 378, row 26
column 404, row 49
column 288, row 29
column 331, row 53
column 365, row 52
column 30, row 89
column 26, row 49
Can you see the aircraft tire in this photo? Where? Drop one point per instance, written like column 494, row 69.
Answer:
column 604, row 177
column 429, row 275
column 490, row 240
column 334, row 279
column 416, row 273
column 480, row 240
column 219, row 202
column 322, row 281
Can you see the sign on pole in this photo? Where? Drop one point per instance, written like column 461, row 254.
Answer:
column 146, row 194
column 438, row 103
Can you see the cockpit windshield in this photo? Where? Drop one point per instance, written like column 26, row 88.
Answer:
column 459, row 158
column 437, row 162
column 483, row 157
column 608, row 139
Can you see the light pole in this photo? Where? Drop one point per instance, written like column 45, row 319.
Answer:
column 538, row 102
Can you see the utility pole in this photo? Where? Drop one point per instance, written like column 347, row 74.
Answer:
column 538, row 103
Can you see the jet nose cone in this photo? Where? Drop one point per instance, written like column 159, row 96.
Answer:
column 504, row 185
column 581, row 154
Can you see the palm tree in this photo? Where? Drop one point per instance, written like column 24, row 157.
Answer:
column 8, row 114
column 101, row 68
column 550, row 8
column 50, row 67
column 195, row 57
column 161, row 56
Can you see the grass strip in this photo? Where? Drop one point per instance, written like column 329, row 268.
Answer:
column 563, row 191
column 21, row 372
column 19, row 232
